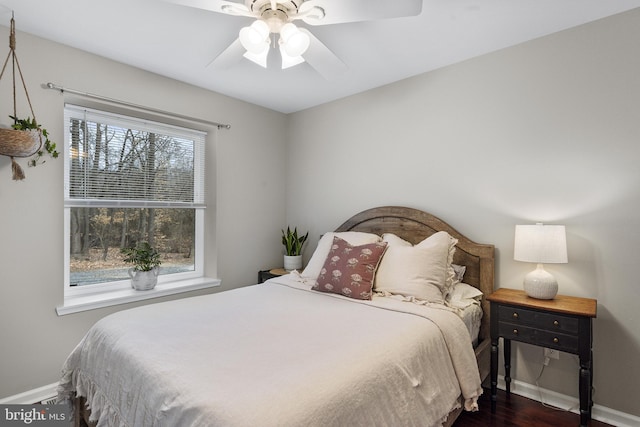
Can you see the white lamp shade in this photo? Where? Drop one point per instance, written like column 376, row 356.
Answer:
column 543, row 244
column 293, row 41
column 255, row 38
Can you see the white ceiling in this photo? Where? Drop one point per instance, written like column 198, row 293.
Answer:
column 179, row 42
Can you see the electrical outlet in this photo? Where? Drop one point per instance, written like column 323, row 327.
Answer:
column 551, row 354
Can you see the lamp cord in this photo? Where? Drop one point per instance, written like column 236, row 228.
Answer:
column 546, row 405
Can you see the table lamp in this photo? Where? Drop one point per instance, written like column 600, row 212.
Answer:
column 541, row 244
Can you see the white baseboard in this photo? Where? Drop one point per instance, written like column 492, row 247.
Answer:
column 31, row 396
column 569, row 403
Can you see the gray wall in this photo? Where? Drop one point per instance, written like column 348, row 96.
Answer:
column 543, row 131
column 246, row 163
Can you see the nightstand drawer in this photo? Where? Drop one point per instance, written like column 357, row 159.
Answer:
column 547, row 321
column 512, row 331
column 544, row 338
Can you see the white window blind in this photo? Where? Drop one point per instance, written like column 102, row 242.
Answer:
column 114, row 160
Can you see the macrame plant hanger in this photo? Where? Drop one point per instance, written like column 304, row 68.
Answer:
column 13, row 142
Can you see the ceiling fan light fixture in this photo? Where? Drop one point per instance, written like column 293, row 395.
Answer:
column 293, row 41
column 255, row 38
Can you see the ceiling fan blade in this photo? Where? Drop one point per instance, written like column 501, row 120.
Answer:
column 322, row 59
column 341, row 11
column 230, row 56
column 220, row 6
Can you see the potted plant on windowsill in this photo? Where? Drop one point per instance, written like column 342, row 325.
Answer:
column 145, row 260
column 293, row 248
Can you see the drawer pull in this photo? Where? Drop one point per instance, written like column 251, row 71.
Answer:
column 556, row 340
column 515, row 332
column 556, row 323
column 515, row 315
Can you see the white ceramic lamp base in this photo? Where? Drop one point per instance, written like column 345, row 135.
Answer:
column 540, row 284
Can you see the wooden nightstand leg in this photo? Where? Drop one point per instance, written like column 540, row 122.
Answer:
column 507, row 365
column 586, row 378
column 494, row 374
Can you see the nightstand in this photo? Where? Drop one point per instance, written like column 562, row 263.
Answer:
column 563, row 323
column 264, row 275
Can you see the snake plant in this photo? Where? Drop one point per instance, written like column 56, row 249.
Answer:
column 292, row 242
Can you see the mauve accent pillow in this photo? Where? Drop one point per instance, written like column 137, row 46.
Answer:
column 349, row 270
column 422, row 271
column 312, row 270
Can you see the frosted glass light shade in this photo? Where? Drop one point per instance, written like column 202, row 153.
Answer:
column 255, row 37
column 540, row 244
column 293, row 41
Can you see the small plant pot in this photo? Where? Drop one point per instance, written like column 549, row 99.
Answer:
column 143, row 280
column 292, row 262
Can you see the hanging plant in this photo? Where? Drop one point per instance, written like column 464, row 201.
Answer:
column 29, row 124
column 25, row 137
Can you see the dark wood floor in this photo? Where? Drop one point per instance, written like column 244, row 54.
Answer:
column 518, row 411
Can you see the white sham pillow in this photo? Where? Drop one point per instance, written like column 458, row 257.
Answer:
column 423, row 271
column 464, row 295
column 459, row 271
column 354, row 238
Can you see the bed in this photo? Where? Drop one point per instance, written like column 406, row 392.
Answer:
column 289, row 352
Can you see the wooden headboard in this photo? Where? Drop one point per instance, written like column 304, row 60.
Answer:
column 414, row 226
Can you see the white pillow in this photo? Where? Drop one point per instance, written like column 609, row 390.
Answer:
column 423, row 271
column 464, row 295
column 354, row 238
column 459, row 270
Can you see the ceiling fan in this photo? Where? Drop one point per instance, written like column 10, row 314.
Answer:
column 296, row 44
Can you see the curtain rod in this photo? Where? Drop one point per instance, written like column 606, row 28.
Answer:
column 139, row 107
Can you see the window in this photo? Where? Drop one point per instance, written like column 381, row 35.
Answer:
column 129, row 180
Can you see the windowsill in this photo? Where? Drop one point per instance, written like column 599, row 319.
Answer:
column 76, row 304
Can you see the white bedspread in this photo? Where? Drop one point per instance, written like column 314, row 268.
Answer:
column 274, row 354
